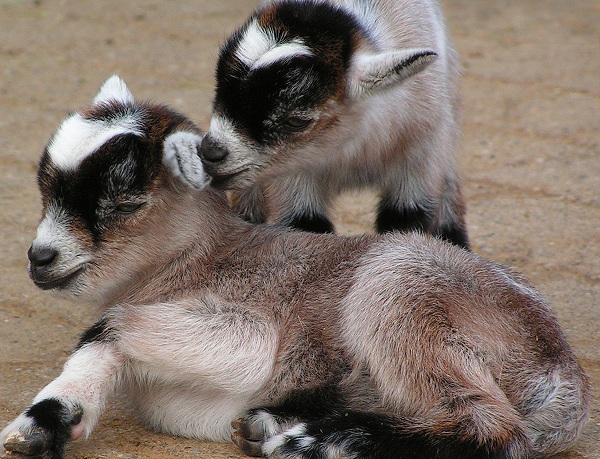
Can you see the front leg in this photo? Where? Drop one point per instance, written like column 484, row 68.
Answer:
column 68, row 407
column 43, row 429
column 250, row 204
column 301, row 202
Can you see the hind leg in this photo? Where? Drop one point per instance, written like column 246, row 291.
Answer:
column 319, row 424
column 250, row 204
column 450, row 224
column 296, row 204
column 425, row 368
column 261, row 424
column 422, row 193
column 351, row 434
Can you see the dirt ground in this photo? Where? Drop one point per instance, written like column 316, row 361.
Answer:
column 530, row 161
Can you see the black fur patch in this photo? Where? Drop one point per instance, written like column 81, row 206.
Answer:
column 310, row 403
column 312, row 224
column 119, row 170
column 56, row 420
column 455, row 235
column 259, row 101
column 373, row 436
column 97, row 332
column 392, row 218
column 79, row 192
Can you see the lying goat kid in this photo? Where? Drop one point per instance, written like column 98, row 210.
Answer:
column 313, row 345
column 317, row 97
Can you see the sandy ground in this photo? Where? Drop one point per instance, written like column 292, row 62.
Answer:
column 530, row 160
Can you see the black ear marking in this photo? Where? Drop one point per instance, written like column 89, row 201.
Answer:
column 415, row 63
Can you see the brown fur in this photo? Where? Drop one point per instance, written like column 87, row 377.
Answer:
column 206, row 316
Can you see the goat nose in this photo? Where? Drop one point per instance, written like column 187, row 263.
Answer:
column 41, row 256
column 210, row 151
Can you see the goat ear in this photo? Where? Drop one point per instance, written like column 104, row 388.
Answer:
column 372, row 72
column 114, row 89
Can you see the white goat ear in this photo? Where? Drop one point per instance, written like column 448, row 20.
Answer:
column 372, row 72
column 180, row 156
column 114, row 89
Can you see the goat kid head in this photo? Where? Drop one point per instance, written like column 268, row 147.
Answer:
column 103, row 179
column 284, row 78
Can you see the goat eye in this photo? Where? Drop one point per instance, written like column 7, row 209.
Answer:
column 295, row 123
column 127, row 207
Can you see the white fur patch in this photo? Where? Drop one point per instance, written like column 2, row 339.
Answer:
column 224, row 133
column 114, row 89
column 88, row 379
column 282, row 52
column 254, row 44
column 53, row 233
column 259, row 48
column 220, row 345
column 298, row 433
column 180, row 156
column 53, row 228
column 77, row 138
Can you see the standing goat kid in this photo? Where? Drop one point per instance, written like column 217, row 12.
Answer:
column 316, row 97
column 314, row 345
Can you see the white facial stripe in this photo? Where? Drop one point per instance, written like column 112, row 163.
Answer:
column 254, row 44
column 77, row 138
column 223, row 132
column 259, row 47
column 282, row 52
column 52, row 228
column 53, row 232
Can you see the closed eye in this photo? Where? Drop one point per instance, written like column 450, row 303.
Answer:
column 296, row 123
column 127, row 207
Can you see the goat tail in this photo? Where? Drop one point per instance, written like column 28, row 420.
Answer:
column 556, row 410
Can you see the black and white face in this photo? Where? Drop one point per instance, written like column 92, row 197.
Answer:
column 94, row 178
column 102, row 180
column 277, row 87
